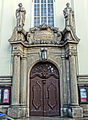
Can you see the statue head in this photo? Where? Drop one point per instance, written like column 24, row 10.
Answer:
column 68, row 5
column 20, row 5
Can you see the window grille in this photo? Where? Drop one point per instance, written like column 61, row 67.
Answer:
column 43, row 12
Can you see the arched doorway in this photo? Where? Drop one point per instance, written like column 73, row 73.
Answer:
column 44, row 90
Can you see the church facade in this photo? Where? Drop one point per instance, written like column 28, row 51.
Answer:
column 45, row 80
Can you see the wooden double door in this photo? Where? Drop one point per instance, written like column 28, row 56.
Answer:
column 44, row 90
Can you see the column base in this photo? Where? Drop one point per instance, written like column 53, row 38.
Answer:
column 64, row 112
column 72, row 111
column 18, row 111
column 75, row 111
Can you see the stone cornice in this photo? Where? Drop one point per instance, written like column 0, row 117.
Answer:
column 42, row 34
column 5, row 80
column 82, row 79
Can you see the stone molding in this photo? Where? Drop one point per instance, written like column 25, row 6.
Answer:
column 82, row 79
column 5, row 80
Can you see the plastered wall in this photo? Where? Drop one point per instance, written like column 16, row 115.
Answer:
column 8, row 22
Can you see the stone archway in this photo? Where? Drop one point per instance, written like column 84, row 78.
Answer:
column 44, row 90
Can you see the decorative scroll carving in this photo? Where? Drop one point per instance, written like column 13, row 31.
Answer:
column 18, row 35
column 69, row 35
column 44, row 34
column 45, row 70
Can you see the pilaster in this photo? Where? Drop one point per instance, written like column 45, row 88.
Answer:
column 65, row 94
column 73, row 81
column 74, row 109
column 64, row 80
column 16, row 80
column 23, row 79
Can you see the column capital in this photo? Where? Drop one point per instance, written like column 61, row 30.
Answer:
column 71, row 53
column 16, row 53
column 63, row 56
column 23, row 56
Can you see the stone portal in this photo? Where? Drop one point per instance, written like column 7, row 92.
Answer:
column 60, row 49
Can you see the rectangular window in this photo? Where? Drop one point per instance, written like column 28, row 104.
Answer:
column 50, row 9
column 83, row 94
column 36, row 21
column 36, row 1
column 43, row 12
column 5, row 95
column 50, row 1
column 43, row 20
column 43, row 1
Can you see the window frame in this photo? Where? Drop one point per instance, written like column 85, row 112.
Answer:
column 2, row 88
column 32, row 25
column 83, row 87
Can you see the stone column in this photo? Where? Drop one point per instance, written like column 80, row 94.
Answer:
column 23, row 80
column 64, row 80
column 74, row 109
column 65, row 95
column 16, row 80
column 73, row 81
column 18, row 89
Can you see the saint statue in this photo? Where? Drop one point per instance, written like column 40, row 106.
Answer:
column 20, row 16
column 69, row 15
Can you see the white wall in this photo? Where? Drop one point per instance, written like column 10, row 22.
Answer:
column 60, row 5
column 8, row 22
column 81, row 17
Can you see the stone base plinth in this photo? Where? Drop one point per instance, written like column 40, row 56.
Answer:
column 64, row 112
column 75, row 112
column 17, row 111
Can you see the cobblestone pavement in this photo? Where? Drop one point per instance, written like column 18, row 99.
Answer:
column 51, row 118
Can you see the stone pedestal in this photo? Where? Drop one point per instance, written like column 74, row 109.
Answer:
column 18, row 111
column 64, row 112
column 75, row 112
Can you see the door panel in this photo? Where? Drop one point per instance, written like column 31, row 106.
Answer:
column 45, row 90
column 36, row 97
column 52, row 97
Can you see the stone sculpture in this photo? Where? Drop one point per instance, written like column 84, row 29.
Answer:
column 20, row 16
column 69, row 15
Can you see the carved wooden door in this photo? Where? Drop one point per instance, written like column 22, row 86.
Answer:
column 44, row 90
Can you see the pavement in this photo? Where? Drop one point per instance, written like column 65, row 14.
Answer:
column 44, row 118
column 52, row 118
